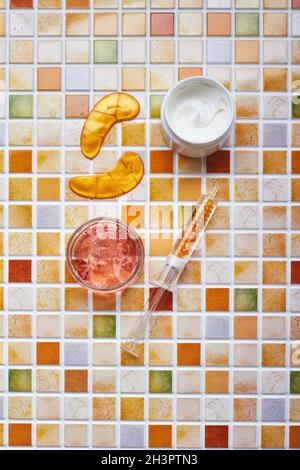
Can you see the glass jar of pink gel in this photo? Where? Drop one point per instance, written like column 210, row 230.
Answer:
column 105, row 255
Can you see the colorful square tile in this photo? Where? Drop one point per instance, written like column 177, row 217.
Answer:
column 247, row 24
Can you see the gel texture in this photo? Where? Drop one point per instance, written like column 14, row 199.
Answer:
column 113, row 108
column 124, row 177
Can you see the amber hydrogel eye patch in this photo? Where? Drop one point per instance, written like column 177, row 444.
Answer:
column 124, row 177
column 113, row 108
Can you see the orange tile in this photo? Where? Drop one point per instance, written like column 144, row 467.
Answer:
column 77, row 106
column 47, row 353
column 246, row 134
column 274, row 300
column 274, row 244
column 246, row 52
column 21, row 4
column 218, row 24
column 217, row 299
column 20, row 161
column 49, row 78
column 19, row 434
column 245, row 327
column 275, row 161
column 48, row 189
column 274, row 272
column 161, row 161
column 160, row 435
column 68, row 276
column 77, row 4
column 189, row 189
column 76, row 381
column 222, row 185
column 275, row 79
column 132, row 408
column 130, row 360
column 295, row 190
column 273, row 355
column 104, row 302
column 272, row 437
column 189, row 354
column 295, row 217
column 217, row 381
column 187, row 72
column 160, row 243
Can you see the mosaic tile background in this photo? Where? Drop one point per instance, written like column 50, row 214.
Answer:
column 221, row 369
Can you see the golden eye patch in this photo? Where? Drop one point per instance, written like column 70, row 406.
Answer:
column 113, row 108
column 124, row 177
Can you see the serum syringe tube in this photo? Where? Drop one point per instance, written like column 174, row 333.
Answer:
column 175, row 264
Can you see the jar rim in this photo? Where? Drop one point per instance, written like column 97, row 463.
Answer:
column 175, row 136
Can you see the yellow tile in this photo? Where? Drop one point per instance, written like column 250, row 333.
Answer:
column 133, row 133
column 20, row 189
column 161, row 189
column 48, row 271
column 20, row 216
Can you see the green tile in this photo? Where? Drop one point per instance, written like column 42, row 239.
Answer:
column 155, row 105
column 295, row 382
column 245, row 300
column 19, row 380
column 296, row 107
column 106, row 52
column 104, row 326
column 160, row 381
column 247, row 24
column 20, row 106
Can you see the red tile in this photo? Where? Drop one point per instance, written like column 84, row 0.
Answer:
column 162, row 24
column 294, row 437
column 295, row 272
column 19, row 270
column 296, row 4
column 295, row 161
column 218, row 162
column 216, row 436
column 165, row 303
column 21, row 3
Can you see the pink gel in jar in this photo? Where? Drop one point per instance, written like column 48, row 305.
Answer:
column 105, row 255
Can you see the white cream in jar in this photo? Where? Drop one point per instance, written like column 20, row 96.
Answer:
column 197, row 116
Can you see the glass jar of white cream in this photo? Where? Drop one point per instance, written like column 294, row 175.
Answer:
column 197, row 115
